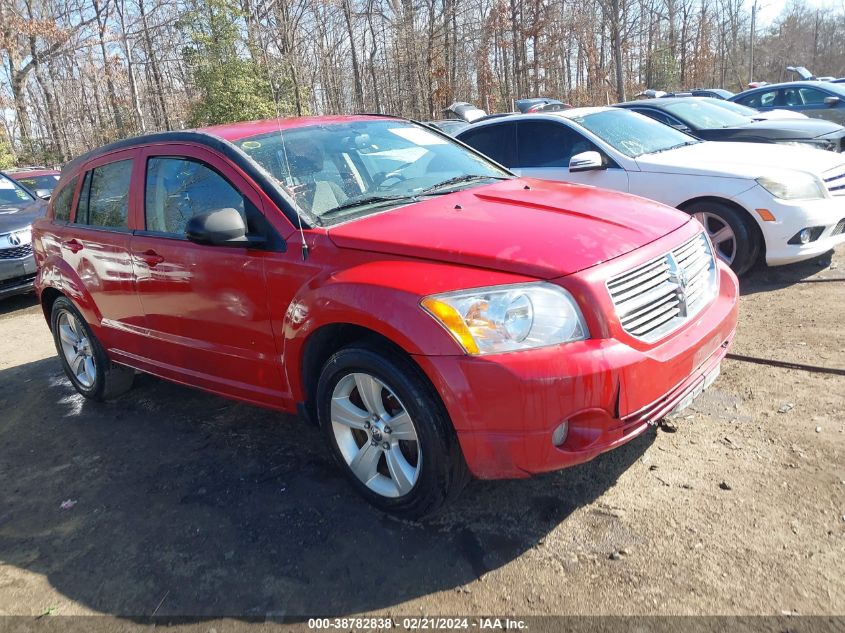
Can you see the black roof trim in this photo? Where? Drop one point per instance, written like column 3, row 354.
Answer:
column 255, row 171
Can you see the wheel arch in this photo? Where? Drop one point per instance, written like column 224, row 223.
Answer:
column 751, row 219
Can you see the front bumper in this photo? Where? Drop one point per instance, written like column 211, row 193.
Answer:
column 505, row 407
column 791, row 217
column 16, row 276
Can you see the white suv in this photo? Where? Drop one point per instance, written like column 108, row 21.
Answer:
column 787, row 203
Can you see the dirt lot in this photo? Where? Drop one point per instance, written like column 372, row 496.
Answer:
column 192, row 505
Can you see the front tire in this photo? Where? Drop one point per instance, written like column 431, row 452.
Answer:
column 734, row 240
column 82, row 356
column 389, row 431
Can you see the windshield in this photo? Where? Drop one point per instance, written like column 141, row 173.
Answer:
column 701, row 115
column 47, row 182
column 339, row 170
column 736, row 107
column 631, row 133
column 12, row 193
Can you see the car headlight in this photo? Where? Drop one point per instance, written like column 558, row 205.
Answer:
column 793, row 185
column 508, row 318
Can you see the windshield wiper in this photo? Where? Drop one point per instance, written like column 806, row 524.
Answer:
column 457, row 180
column 361, row 202
column 666, row 149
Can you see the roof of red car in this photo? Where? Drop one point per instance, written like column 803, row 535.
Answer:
column 237, row 131
column 31, row 173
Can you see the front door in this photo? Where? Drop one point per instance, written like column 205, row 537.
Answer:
column 545, row 147
column 206, row 307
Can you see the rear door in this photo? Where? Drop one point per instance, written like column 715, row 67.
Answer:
column 544, row 149
column 95, row 243
column 206, row 307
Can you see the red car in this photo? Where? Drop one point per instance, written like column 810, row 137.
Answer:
column 40, row 180
column 436, row 316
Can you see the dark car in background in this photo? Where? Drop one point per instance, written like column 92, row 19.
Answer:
column 817, row 99
column 711, row 122
column 448, row 126
column 19, row 207
column 713, row 93
column 38, row 179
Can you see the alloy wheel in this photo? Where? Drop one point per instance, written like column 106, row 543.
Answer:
column 77, row 349
column 375, row 435
column 721, row 235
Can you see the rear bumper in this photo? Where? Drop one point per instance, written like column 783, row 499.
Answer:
column 506, row 408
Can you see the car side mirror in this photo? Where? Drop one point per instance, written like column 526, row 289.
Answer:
column 44, row 194
column 832, row 101
column 586, row 161
column 221, row 227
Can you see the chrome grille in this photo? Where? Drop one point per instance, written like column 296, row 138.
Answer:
column 16, row 252
column 839, row 228
column 653, row 299
column 834, row 180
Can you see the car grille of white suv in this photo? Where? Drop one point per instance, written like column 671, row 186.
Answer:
column 658, row 297
column 834, row 180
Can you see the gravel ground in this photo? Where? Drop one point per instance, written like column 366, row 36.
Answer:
column 187, row 504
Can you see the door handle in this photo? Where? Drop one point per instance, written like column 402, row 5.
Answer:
column 72, row 245
column 152, row 258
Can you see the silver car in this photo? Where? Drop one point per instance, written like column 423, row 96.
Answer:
column 18, row 208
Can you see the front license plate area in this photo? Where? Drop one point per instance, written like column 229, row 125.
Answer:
column 699, row 389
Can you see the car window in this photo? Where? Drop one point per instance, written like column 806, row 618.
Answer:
column 699, row 114
column 658, row 116
column 340, row 171
column 631, row 133
column 104, row 199
column 811, row 96
column 179, row 188
column 496, row 141
column 11, row 193
column 40, row 182
column 63, row 200
column 549, row 144
column 763, row 99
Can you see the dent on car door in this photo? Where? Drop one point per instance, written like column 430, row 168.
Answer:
column 544, row 149
column 206, row 306
column 96, row 246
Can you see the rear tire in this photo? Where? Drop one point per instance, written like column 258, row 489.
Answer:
column 82, row 356
column 389, row 431
column 734, row 240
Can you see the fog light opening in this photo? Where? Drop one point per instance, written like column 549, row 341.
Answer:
column 560, row 433
column 804, row 236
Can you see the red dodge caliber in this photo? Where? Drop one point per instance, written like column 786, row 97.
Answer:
column 436, row 316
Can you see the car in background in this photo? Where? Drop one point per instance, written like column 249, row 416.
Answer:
column 19, row 208
column 448, row 126
column 436, row 316
column 713, row 93
column 41, row 180
column 782, row 203
column 816, row 99
column 769, row 115
column 540, row 104
column 707, row 120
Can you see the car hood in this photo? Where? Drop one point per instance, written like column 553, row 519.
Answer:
column 793, row 128
column 739, row 160
column 14, row 217
column 524, row 226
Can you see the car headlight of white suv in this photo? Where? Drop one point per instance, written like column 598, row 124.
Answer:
column 793, row 185
column 508, row 318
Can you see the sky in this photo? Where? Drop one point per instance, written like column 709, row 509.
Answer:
column 770, row 9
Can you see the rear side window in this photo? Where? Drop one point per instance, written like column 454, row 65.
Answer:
column 549, row 144
column 104, row 199
column 497, row 141
column 179, row 188
column 63, row 200
column 764, row 99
